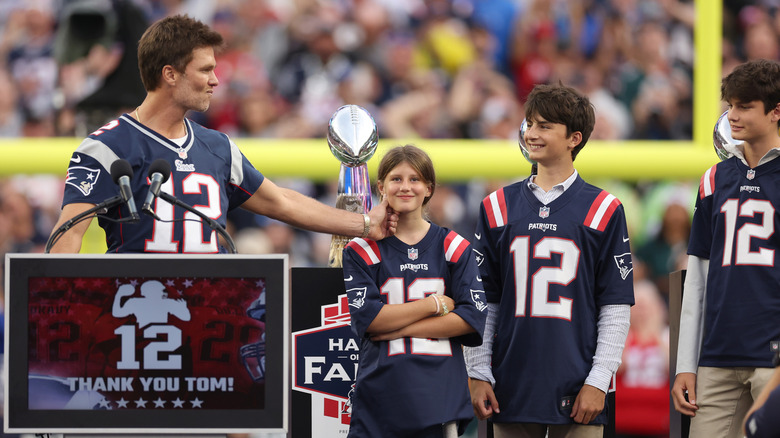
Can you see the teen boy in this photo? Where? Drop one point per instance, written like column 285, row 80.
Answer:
column 556, row 265
column 731, row 303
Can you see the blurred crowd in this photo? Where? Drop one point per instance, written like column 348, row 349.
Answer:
column 423, row 69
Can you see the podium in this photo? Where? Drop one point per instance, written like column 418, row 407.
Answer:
column 146, row 344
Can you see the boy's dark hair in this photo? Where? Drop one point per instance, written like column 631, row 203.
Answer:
column 564, row 105
column 171, row 41
column 758, row 79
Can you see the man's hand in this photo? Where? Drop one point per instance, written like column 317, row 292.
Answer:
column 383, row 221
column 483, row 399
column 588, row 404
column 682, row 383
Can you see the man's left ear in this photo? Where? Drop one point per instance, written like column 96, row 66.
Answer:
column 169, row 74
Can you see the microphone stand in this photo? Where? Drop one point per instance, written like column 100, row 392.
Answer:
column 117, row 200
column 211, row 222
column 105, row 205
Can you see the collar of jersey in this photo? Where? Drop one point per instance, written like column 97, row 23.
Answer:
column 161, row 139
column 421, row 246
column 556, row 204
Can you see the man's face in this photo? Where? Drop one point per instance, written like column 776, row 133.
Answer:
column 749, row 122
column 195, row 87
column 547, row 141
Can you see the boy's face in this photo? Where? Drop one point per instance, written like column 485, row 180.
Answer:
column 547, row 142
column 749, row 122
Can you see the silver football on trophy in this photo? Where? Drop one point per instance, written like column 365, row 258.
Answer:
column 352, row 135
column 521, row 141
column 724, row 143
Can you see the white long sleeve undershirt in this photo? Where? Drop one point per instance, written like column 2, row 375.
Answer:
column 692, row 315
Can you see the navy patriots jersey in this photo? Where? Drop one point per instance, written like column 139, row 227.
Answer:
column 735, row 227
column 550, row 268
column 208, row 172
column 409, row 384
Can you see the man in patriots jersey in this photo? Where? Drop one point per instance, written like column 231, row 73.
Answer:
column 555, row 261
column 177, row 64
column 731, row 303
column 415, row 299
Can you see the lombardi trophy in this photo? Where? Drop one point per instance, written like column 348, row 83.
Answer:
column 352, row 138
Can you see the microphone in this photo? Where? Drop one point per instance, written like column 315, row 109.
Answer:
column 159, row 172
column 121, row 172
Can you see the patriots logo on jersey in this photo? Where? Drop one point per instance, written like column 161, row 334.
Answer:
column 476, row 296
column 413, row 253
column 82, row 178
column 360, row 297
column 624, row 264
column 478, row 256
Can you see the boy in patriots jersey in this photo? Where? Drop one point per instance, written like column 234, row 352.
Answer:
column 176, row 58
column 415, row 298
column 555, row 261
column 731, row 303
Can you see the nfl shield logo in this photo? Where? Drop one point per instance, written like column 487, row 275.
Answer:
column 751, row 174
column 412, row 253
column 544, row 212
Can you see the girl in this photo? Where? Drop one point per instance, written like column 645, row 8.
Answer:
column 415, row 298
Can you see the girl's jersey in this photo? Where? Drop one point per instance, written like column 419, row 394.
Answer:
column 409, row 384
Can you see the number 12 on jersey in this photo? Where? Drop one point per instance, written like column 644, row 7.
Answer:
column 540, row 281
column 419, row 289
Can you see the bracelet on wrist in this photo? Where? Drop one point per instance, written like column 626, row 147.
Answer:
column 438, row 307
column 444, row 309
column 366, row 226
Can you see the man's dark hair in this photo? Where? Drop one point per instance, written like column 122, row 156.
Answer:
column 758, row 79
column 564, row 105
column 171, row 41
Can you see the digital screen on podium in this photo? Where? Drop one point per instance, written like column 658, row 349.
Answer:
column 146, row 343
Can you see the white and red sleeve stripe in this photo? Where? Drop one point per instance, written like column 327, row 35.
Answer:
column 707, row 184
column 601, row 211
column 454, row 246
column 495, row 209
column 367, row 249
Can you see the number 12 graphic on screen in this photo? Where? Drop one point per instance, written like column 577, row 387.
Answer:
column 152, row 308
